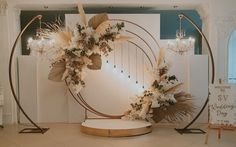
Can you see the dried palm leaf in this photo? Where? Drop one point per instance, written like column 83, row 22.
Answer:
column 96, row 62
column 176, row 112
column 182, row 95
column 82, row 14
column 96, row 20
column 171, row 89
column 102, row 27
column 57, row 71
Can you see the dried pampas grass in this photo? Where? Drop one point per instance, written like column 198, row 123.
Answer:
column 55, row 31
column 62, row 37
column 122, row 38
column 160, row 57
column 82, row 14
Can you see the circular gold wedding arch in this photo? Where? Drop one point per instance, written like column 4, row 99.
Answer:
column 82, row 102
column 80, row 98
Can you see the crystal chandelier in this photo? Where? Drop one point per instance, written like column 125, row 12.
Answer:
column 180, row 33
column 39, row 43
column 181, row 44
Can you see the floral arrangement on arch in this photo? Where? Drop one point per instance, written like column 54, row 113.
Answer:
column 163, row 100
column 73, row 51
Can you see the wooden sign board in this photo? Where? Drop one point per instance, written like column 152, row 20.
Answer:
column 222, row 104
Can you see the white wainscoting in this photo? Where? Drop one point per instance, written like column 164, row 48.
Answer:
column 28, row 88
column 198, row 83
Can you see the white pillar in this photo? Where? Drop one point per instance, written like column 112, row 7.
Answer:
column 10, row 27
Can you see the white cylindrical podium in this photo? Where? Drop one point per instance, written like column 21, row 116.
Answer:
column 115, row 127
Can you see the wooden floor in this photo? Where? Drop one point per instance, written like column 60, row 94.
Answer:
column 69, row 135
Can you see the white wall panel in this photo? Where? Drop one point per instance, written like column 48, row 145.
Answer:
column 198, row 83
column 52, row 96
column 27, row 66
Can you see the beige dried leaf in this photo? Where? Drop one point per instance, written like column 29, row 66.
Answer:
column 102, row 27
column 96, row 62
column 171, row 89
column 160, row 56
column 123, row 38
column 82, row 14
column 57, row 71
column 98, row 19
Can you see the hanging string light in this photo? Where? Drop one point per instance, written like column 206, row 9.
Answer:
column 143, row 69
column 128, row 60
column 136, row 64
column 114, row 55
column 122, row 64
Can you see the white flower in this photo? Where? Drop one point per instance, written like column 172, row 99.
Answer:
column 89, row 52
column 65, row 74
column 88, row 30
column 144, row 110
column 76, row 70
column 155, row 104
column 76, row 88
column 78, row 53
column 83, row 74
column 114, row 29
column 96, row 36
column 96, row 50
column 171, row 98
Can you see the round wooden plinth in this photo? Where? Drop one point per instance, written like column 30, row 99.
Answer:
column 115, row 127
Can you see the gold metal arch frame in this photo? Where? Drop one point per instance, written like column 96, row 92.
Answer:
column 37, row 128
column 186, row 129
column 79, row 98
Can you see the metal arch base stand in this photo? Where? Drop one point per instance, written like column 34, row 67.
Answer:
column 34, row 130
column 190, row 131
column 186, row 129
